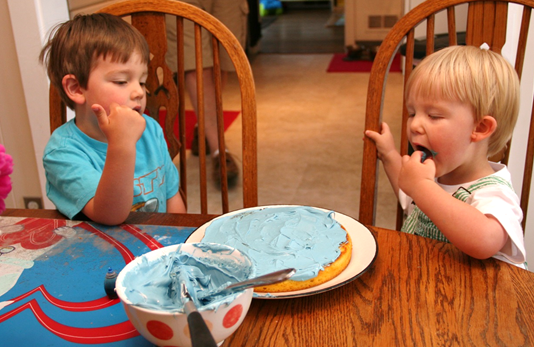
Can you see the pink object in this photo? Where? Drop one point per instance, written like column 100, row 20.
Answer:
column 6, row 168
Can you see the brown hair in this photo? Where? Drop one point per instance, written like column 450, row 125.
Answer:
column 476, row 76
column 74, row 47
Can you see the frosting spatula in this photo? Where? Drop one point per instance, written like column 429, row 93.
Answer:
column 200, row 333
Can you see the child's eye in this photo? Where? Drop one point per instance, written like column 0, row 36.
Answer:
column 120, row 82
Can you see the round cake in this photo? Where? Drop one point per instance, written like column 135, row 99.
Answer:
column 275, row 238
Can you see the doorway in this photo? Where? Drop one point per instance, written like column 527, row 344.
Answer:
column 303, row 27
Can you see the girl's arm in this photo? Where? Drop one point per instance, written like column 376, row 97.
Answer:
column 471, row 231
column 388, row 154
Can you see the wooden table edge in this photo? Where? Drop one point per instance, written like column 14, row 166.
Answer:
column 143, row 218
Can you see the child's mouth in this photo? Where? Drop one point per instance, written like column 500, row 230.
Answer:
column 427, row 153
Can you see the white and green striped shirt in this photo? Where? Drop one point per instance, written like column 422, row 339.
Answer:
column 493, row 195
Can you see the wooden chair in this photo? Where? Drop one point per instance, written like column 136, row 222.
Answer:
column 148, row 16
column 486, row 21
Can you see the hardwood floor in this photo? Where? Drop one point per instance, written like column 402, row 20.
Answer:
column 310, row 136
column 302, row 29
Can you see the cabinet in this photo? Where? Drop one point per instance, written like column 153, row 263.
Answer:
column 370, row 21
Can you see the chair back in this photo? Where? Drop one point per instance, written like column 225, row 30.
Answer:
column 163, row 94
column 485, row 22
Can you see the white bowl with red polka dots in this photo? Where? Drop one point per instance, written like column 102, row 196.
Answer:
column 165, row 328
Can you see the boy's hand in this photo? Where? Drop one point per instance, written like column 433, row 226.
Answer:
column 385, row 144
column 413, row 172
column 123, row 125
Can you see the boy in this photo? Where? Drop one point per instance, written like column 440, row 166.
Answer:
column 99, row 64
column 463, row 103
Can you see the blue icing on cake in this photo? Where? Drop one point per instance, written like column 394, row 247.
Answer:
column 276, row 238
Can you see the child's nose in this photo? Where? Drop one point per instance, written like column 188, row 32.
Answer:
column 416, row 124
column 138, row 92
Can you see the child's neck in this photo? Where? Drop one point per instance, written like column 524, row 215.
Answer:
column 472, row 171
column 88, row 124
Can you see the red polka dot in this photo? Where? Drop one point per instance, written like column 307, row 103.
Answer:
column 159, row 330
column 232, row 316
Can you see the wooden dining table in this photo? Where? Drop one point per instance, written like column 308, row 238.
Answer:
column 417, row 292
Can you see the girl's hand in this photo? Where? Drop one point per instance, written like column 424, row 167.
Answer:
column 385, row 144
column 388, row 154
column 413, row 173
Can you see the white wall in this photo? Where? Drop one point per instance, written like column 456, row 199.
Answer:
column 15, row 132
column 31, row 21
column 519, row 142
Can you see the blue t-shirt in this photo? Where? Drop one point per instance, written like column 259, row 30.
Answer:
column 74, row 162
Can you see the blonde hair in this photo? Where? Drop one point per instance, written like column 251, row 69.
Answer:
column 478, row 77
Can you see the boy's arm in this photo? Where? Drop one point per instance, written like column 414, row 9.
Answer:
column 388, row 154
column 176, row 204
column 474, row 233
column 113, row 198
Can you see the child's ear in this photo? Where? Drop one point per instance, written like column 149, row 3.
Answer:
column 72, row 88
column 484, row 129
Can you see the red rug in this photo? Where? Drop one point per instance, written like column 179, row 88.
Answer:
column 337, row 64
column 191, row 120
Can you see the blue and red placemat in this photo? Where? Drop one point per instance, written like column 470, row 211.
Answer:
column 52, row 280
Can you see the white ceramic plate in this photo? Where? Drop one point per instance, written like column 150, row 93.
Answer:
column 364, row 252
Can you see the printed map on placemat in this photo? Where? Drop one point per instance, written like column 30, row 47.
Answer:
column 52, row 280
